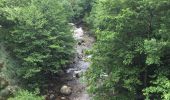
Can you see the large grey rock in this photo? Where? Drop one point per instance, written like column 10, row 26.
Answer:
column 5, row 92
column 65, row 90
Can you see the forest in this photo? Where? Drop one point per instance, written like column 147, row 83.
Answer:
column 84, row 49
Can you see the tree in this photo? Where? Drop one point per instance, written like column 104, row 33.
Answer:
column 131, row 47
column 40, row 38
column 79, row 8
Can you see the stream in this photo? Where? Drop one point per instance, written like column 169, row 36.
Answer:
column 84, row 42
column 72, row 79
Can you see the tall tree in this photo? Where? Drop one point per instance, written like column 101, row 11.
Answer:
column 131, row 49
column 40, row 38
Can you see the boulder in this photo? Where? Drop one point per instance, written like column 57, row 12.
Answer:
column 65, row 90
column 5, row 92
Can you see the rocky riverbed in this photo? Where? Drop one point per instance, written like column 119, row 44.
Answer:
column 84, row 42
column 70, row 85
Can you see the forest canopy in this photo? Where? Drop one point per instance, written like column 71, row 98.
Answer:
column 130, row 57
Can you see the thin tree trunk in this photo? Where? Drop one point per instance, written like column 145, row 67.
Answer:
column 145, row 77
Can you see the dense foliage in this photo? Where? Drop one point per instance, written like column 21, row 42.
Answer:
column 39, row 38
column 79, row 9
column 131, row 56
column 130, row 59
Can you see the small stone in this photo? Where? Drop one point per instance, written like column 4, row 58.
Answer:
column 77, row 74
column 51, row 85
column 65, row 90
column 80, row 56
column 81, row 42
column 63, row 98
column 74, row 62
column 89, row 56
column 52, row 97
column 1, row 64
column 50, row 91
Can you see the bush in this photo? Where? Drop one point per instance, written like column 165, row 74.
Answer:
column 26, row 95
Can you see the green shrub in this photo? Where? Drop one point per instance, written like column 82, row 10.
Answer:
column 26, row 95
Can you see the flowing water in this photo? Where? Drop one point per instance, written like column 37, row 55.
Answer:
column 84, row 42
column 73, row 76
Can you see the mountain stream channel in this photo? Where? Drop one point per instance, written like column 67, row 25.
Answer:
column 71, row 85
